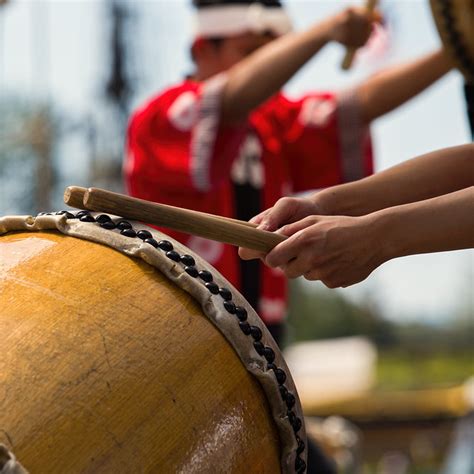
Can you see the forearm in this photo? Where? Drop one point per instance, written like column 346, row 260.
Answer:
column 391, row 88
column 434, row 225
column 262, row 74
column 440, row 172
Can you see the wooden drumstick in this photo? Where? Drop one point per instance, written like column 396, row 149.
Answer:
column 74, row 197
column 351, row 52
column 210, row 226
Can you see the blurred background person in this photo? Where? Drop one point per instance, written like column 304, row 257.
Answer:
column 226, row 142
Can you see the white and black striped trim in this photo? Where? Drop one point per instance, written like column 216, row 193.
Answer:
column 229, row 20
column 352, row 132
column 204, row 134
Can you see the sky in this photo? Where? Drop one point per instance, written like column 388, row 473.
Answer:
column 55, row 50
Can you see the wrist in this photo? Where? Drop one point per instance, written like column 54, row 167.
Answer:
column 323, row 202
column 384, row 226
column 341, row 200
column 324, row 31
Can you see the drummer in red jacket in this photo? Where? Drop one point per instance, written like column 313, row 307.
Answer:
column 226, row 141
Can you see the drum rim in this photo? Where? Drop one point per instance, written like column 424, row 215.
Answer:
column 218, row 299
column 446, row 18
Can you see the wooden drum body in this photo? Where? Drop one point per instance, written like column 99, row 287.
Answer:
column 127, row 353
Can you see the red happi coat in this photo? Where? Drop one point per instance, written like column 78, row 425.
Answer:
column 179, row 154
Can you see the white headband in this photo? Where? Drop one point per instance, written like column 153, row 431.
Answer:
column 229, row 20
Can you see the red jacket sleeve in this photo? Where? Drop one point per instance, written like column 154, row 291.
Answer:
column 175, row 142
column 324, row 142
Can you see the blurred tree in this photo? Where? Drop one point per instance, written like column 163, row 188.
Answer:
column 39, row 133
column 27, row 137
column 107, row 139
column 320, row 314
column 118, row 88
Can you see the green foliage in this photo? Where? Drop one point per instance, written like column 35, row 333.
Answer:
column 322, row 314
column 319, row 313
column 411, row 355
column 400, row 370
column 27, row 137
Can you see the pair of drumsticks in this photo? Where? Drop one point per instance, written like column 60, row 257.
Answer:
column 210, row 226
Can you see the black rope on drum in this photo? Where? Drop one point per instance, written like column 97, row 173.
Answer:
column 455, row 37
column 239, row 312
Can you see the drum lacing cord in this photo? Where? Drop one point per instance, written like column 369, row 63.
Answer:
column 206, row 278
column 455, row 37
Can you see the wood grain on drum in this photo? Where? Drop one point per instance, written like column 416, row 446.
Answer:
column 108, row 367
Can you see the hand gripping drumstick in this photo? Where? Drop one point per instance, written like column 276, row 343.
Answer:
column 210, row 226
column 351, row 52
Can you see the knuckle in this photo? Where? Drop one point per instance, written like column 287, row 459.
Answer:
column 270, row 262
column 310, row 220
column 285, row 201
column 330, row 282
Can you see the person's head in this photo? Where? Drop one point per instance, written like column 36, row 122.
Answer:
column 226, row 31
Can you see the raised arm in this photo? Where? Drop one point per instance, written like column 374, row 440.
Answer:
column 392, row 87
column 263, row 73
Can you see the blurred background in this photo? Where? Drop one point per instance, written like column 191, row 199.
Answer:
column 71, row 71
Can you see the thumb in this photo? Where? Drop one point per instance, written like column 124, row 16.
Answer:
column 285, row 210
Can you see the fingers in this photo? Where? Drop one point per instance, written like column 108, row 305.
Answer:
column 249, row 254
column 321, row 273
column 284, row 211
column 374, row 15
column 269, row 220
column 286, row 251
column 356, row 25
column 377, row 17
column 297, row 267
column 295, row 227
column 337, row 250
column 258, row 218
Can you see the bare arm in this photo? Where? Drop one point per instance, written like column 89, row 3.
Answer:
column 342, row 251
column 440, row 172
column 392, row 87
column 428, row 176
column 434, row 225
column 263, row 73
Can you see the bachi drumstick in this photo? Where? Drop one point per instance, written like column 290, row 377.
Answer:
column 210, row 226
column 351, row 52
